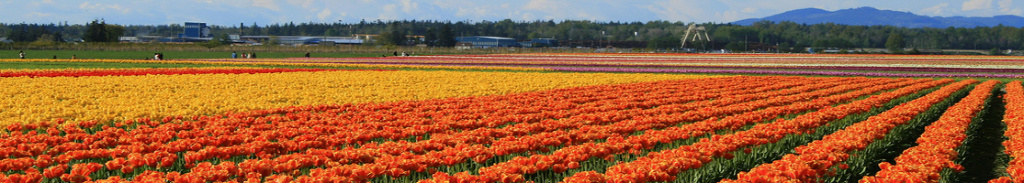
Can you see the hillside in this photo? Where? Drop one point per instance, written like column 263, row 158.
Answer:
column 871, row 16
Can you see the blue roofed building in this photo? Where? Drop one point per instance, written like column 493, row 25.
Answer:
column 196, row 30
column 544, row 42
column 487, row 41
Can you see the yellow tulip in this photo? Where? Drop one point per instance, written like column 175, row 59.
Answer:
column 119, row 98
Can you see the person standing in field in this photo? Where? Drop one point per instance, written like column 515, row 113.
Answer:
column 21, row 54
column 156, row 56
column 234, row 55
column 307, row 54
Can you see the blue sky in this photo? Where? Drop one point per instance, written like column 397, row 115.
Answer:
column 263, row 12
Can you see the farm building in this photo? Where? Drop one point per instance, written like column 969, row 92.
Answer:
column 487, row 41
column 539, row 42
column 195, row 30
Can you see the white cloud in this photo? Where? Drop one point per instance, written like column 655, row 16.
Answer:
column 1006, row 7
column 38, row 14
column 408, row 6
column 542, row 5
column 683, row 11
column 268, row 4
column 729, row 15
column 749, row 10
column 561, row 9
column 308, row 4
column 388, row 12
column 977, row 5
column 528, row 16
column 937, row 9
column 323, row 15
column 103, row 7
column 587, row 16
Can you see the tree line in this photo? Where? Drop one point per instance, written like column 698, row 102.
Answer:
column 783, row 36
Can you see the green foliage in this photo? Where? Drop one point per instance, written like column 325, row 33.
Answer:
column 445, row 37
column 217, row 41
column 664, row 43
column 397, row 38
column 981, row 149
column 97, row 32
column 865, row 162
column 100, row 31
column 391, row 38
column 736, row 46
column 895, row 43
column 430, row 38
column 384, row 38
column 994, row 51
column 273, row 40
column 833, row 43
column 721, row 168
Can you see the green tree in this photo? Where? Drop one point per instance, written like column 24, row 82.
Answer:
column 663, row 42
column 114, row 32
column 391, row 38
column 445, row 37
column 217, row 41
column 397, row 38
column 96, row 32
column 384, row 38
column 894, row 43
column 430, row 38
column 223, row 38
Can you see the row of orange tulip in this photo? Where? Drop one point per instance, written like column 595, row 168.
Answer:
column 394, row 160
column 664, row 165
column 570, row 157
column 1014, row 121
column 518, row 166
column 149, row 140
column 634, row 144
column 813, row 160
column 489, row 135
column 936, row 148
column 473, row 117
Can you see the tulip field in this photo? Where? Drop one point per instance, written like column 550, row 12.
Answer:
column 519, row 118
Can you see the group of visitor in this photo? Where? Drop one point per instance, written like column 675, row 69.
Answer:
column 244, row 55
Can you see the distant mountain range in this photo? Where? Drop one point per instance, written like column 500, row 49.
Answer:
column 871, row 16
